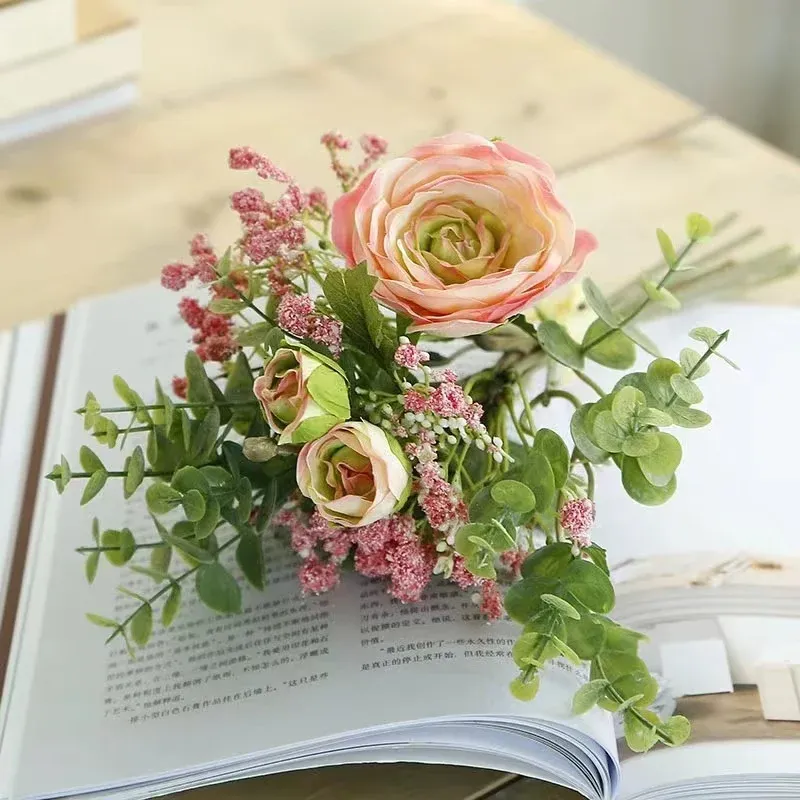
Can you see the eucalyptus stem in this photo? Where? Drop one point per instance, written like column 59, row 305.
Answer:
column 122, row 473
column 161, row 592
column 116, row 548
column 641, row 307
column 544, row 397
column 160, row 406
column 526, row 404
column 517, row 427
column 136, row 429
column 702, row 360
column 589, row 382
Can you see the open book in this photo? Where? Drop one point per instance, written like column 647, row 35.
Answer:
column 353, row 676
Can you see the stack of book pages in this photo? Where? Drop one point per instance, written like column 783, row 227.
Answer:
column 63, row 61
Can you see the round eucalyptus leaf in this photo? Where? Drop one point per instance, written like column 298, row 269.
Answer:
column 640, row 443
column 583, row 441
column 559, row 345
column 627, row 404
column 686, row 389
column 525, row 690
column 639, row 487
column 514, row 495
column 608, row 433
column 660, row 465
column 615, row 351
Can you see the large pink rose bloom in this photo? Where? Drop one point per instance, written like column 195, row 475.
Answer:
column 462, row 233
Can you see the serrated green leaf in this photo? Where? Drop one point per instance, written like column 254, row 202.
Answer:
column 640, row 444
column 599, row 304
column 94, row 486
column 171, row 606
column 587, row 696
column 660, row 465
column 640, row 488
column 514, row 495
column 686, row 389
column 250, row 558
column 615, row 351
column 141, row 626
column 218, row 589
column 667, row 248
column 608, row 433
column 559, row 345
column 123, row 543
column 698, row 226
column 561, row 605
column 689, row 361
column 658, row 294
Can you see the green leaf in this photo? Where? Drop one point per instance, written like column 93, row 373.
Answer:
column 94, row 486
column 525, row 690
column 187, row 547
column 162, row 498
column 598, row 556
column 659, row 374
column 160, row 558
column 537, row 474
column 329, row 390
column 660, row 465
column 549, row 561
column 589, row 585
column 187, row 478
column 223, row 266
column 91, row 411
column 587, row 696
column 254, row 335
column 194, row 505
column 141, row 626
column 608, row 433
column 218, row 589
column 198, row 388
column 207, row 524
column 654, row 416
column 704, row 334
column 553, row 448
column 615, row 351
column 134, row 474
column 559, row 345
column 154, row 574
column 689, row 417
column 565, row 650
column 101, row 622
column 686, row 389
column 698, row 226
column 640, row 338
column 171, row 606
column 124, row 544
column 483, row 508
column 639, row 487
column 239, row 385
column 514, row 495
column 599, row 304
column 629, row 675
column 561, row 605
column 481, row 565
column 349, row 292
column 131, row 398
column 204, row 436
column 667, row 248
column 476, row 536
column 91, row 565
column 90, row 462
column 582, row 439
column 628, row 402
column 641, row 443
column 585, row 636
column 313, row 428
column 639, row 735
column 689, row 361
column 226, row 306
column 658, row 294
column 678, row 729
column 250, row 558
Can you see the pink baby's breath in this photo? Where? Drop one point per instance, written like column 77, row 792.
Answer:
column 448, row 400
column 318, row 200
column 334, row 140
column 491, row 600
column 411, row 570
column 415, row 401
column 192, row 313
column 179, row 387
column 297, row 315
column 461, row 576
column 176, row 276
column 247, row 158
column 410, row 356
column 317, row 577
column 577, row 519
column 442, row 503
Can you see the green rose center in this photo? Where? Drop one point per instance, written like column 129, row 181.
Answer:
column 347, row 473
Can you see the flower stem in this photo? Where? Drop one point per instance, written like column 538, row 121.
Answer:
column 160, row 407
column 589, row 382
column 702, row 360
column 111, row 549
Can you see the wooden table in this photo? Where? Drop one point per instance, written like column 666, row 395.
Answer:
column 106, row 204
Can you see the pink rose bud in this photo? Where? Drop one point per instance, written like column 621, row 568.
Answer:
column 462, row 233
column 303, row 395
column 355, row 474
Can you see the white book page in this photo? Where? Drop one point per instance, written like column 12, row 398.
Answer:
column 213, row 689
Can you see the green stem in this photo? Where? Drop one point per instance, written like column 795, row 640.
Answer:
column 702, row 360
column 121, row 474
column 161, row 592
column 517, row 427
column 225, row 431
column 526, row 403
column 589, row 382
column 641, row 307
column 136, row 429
column 160, row 406
column 564, row 395
column 103, row 549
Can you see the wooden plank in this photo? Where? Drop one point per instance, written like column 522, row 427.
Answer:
column 100, row 17
column 102, row 206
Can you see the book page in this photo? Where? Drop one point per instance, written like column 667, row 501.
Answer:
column 213, row 689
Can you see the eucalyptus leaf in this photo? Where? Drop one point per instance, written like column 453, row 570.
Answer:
column 141, row 626
column 599, row 304
column 583, row 441
column 561, row 605
column 659, row 466
column 90, row 461
column 688, row 417
column 160, row 558
column 198, row 384
column 218, row 589
column 689, row 363
column 97, row 480
column 588, row 695
column 525, row 690
column 101, row 622
column 658, row 294
column 608, row 433
column 678, row 729
column 686, row 389
column 640, row 736
column 171, row 606
column 639, row 487
column 565, row 650
column 514, row 495
column 659, row 374
column 667, row 248
column 698, row 226
column 250, row 558
column 704, row 334
column 640, row 444
column 91, row 564
column 162, row 498
column 628, row 402
column 585, row 636
column 123, row 544
column 207, row 524
column 134, row 472
column 552, row 447
column 654, row 416
column 194, row 505
column 559, row 345
column 615, row 351
column 640, row 338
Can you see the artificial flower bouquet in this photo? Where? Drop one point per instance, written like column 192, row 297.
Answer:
column 319, row 407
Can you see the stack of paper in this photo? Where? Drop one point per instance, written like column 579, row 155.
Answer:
column 62, row 61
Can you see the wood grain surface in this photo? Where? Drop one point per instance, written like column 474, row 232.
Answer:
column 104, row 205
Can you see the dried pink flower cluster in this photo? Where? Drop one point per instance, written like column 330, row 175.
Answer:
column 371, row 145
column 442, row 503
column 577, row 519
column 178, row 275
column 213, row 333
column 410, row 356
column 298, row 316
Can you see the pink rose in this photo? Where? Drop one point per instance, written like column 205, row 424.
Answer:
column 462, row 233
column 356, row 474
column 302, row 394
